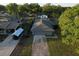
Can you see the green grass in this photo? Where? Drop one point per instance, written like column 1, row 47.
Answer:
column 27, row 49
column 24, row 48
column 57, row 48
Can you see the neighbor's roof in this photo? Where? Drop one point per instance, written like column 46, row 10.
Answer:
column 13, row 25
column 8, row 24
column 38, row 31
column 47, row 23
column 4, row 25
column 4, row 15
column 42, row 24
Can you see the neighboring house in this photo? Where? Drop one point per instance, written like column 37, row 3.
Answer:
column 8, row 24
column 42, row 16
column 43, row 27
column 4, row 17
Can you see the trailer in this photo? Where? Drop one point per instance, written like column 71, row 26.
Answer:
column 17, row 33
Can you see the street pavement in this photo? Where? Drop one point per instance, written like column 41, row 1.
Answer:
column 7, row 46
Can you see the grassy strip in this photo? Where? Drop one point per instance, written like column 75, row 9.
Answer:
column 57, row 48
column 24, row 47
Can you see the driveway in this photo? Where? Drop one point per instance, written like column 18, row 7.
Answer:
column 39, row 46
column 7, row 46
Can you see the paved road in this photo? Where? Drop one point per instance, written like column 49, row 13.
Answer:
column 39, row 46
column 7, row 46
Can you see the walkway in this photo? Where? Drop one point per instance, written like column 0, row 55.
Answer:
column 39, row 47
column 7, row 46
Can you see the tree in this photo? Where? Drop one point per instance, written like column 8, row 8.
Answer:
column 47, row 9
column 27, row 7
column 12, row 9
column 52, row 10
column 22, row 11
column 2, row 8
column 69, row 24
column 35, row 8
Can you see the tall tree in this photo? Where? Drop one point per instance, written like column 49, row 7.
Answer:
column 22, row 11
column 69, row 24
column 35, row 8
column 2, row 8
column 27, row 7
column 12, row 9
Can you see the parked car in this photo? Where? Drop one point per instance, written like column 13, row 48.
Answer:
column 17, row 33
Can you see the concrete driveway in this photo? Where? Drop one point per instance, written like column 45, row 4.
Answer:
column 39, row 46
column 7, row 46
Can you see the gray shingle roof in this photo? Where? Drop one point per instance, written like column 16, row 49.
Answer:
column 37, row 31
column 4, row 25
column 42, row 25
column 12, row 25
column 8, row 25
column 8, row 21
column 48, row 23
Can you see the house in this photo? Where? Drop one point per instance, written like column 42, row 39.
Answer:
column 42, row 16
column 43, row 27
column 4, row 17
column 8, row 24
